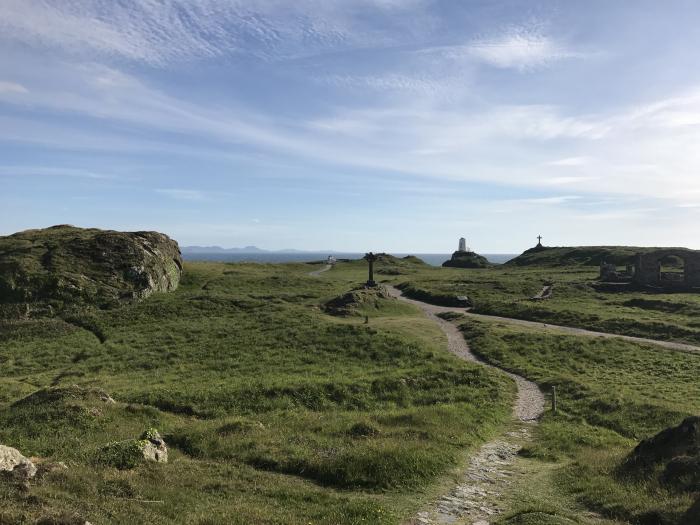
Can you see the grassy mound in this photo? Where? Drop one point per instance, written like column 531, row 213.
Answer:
column 672, row 457
column 466, row 260
column 364, row 301
column 577, row 256
column 44, row 270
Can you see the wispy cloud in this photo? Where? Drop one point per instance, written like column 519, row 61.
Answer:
column 521, row 47
column 423, row 84
column 47, row 171
column 182, row 194
column 571, row 161
column 161, row 32
column 12, row 87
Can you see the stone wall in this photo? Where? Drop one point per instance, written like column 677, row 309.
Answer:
column 648, row 265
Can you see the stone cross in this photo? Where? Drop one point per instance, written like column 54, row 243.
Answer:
column 539, row 239
column 370, row 258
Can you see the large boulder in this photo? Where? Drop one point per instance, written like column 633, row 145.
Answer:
column 41, row 270
column 14, row 465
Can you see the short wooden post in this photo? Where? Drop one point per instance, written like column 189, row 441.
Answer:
column 366, row 319
column 554, row 399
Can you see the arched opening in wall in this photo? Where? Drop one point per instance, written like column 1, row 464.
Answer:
column 672, row 270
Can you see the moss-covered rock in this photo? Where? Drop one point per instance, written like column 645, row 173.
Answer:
column 53, row 268
column 130, row 453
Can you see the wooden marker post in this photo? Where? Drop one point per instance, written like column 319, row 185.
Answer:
column 554, row 399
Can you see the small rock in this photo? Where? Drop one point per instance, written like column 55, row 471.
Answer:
column 14, row 464
column 130, row 453
column 155, row 448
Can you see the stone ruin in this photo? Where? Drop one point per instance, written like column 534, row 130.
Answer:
column 648, row 270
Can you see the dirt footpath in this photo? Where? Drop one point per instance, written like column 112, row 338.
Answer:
column 491, row 471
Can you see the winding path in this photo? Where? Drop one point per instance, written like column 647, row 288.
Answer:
column 432, row 309
column 546, row 327
column 316, row 273
column 474, row 500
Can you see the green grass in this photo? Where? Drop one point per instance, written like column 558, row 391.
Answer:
column 504, row 291
column 611, row 393
column 274, row 411
column 278, row 413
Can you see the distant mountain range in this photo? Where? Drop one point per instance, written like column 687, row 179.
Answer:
column 246, row 249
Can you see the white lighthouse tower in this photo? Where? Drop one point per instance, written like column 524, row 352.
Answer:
column 462, row 245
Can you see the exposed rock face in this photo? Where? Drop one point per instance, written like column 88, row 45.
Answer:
column 42, row 270
column 467, row 260
column 15, row 465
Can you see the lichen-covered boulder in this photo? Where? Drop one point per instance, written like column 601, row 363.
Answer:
column 48, row 269
column 130, row 453
column 14, row 465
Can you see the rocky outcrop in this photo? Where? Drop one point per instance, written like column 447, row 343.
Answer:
column 14, row 465
column 49, row 269
column 466, row 260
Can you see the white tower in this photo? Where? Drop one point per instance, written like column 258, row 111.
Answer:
column 462, row 245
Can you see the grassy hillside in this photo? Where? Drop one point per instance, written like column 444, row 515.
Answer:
column 275, row 412
column 505, row 291
column 577, row 255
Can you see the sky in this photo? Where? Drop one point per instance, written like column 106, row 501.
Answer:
column 354, row 125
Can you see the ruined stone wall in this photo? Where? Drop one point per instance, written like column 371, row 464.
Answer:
column 647, row 267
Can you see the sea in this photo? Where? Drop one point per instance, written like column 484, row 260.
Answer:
column 434, row 259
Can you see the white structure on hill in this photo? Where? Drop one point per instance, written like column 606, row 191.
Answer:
column 462, row 245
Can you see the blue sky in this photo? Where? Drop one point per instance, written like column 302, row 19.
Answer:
column 393, row 125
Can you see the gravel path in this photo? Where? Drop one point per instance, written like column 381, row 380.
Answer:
column 546, row 327
column 475, row 498
column 316, row 273
column 683, row 347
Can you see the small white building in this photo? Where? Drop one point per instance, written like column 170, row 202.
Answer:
column 462, row 245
